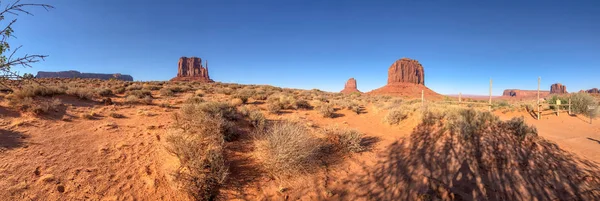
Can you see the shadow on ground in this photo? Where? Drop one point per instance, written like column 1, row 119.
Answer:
column 11, row 139
column 437, row 164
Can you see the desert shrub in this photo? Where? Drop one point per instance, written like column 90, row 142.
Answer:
column 139, row 93
column 89, row 116
column 147, row 100
column 151, row 87
column 116, row 115
column 274, row 108
column 244, row 95
column 105, row 92
column 327, row 110
column 260, row 96
column 303, row 104
column 214, row 109
column 132, row 99
column 580, row 103
column 346, row 140
column 37, row 90
column 193, row 100
column 395, row 116
column 134, row 87
column 119, row 90
column 166, row 92
column 236, row 102
column 287, row 148
column 554, row 99
column 199, row 148
column 199, row 93
column 519, row 128
column 81, row 93
column 41, row 107
column 257, row 119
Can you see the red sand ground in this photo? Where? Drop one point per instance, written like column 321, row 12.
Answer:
column 124, row 159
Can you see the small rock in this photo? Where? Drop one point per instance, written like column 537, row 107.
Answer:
column 47, row 178
column 60, row 188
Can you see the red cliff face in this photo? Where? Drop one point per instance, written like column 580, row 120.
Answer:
column 524, row 93
column 191, row 69
column 406, row 70
column 77, row 74
column 558, row 89
column 350, row 86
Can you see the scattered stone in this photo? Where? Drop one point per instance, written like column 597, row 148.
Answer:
column 47, row 178
column 60, row 188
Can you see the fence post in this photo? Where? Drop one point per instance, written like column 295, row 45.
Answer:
column 538, row 100
column 459, row 97
column 569, row 106
column 490, row 103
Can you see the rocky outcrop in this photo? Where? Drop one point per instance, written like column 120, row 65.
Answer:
column 77, row 74
column 558, row 88
column 191, row 69
column 406, row 70
column 524, row 93
column 406, row 78
column 593, row 91
column 350, row 87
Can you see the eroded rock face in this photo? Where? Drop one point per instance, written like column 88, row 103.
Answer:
column 191, row 69
column 77, row 74
column 558, row 89
column 350, row 86
column 406, row 70
column 593, row 91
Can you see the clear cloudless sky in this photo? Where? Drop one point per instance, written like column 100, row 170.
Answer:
column 321, row 43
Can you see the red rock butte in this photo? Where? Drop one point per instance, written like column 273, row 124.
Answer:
column 524, row 93
column 350, row 87
column 593, row 91
column 558, row 88
column 191, row 69
column 406, row 77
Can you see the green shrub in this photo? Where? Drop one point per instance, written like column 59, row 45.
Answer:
column 580, row 103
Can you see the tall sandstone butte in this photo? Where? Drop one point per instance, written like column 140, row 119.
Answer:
column 406, row 78
column 350, row 86
column 191, row 69
column 558, row 88
column 406, row 70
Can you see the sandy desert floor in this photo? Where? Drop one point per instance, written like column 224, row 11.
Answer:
column 62, row 156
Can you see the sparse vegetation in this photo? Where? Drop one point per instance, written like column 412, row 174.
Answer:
column 327, row 110
column 286, row 149
column 346, row 140
column 581, row 101
column 395, row 116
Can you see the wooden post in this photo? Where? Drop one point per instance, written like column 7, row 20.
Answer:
column 490, row 103
column 538, row 99
column 459, row 97
column 569, row 106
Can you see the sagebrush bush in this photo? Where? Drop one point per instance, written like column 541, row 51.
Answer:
column 199, row 148
column 327, row 110
column 257, row 119
column 166, row 92
column 395, row 116
column 303, row 104
column 105, row 92
column 346, row 140
column 194, row 100
column 286, row 149
column 134, row 87
column 236, row 102
column 132, row 99
column 244, row 95
column 37, row 90
column 139, row 93
column 81, row 93
column 274, row 108
column 580, row 103
column 147, row 100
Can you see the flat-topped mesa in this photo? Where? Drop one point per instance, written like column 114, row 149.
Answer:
column 558, row 88
column 191, row 69
column 77, row 74
column 524, row 93
column 350, row 87
column 406, row 70
column 593, row 91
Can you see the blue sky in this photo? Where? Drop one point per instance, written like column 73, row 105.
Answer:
column 320, row 44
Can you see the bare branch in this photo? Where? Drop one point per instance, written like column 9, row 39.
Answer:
column 17, row 8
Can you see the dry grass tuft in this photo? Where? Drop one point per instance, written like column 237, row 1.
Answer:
column 327, row 110
column 287, row 149
column 395, row 116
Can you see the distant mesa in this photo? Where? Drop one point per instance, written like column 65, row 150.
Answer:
column 593, row 91
column 77, row 74
column 406, row 77
column 191, row 69
column 558, row 89
column 524, row 93
column 350, row 87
